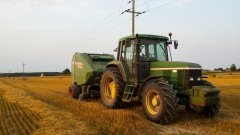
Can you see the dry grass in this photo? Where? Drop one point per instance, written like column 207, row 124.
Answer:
column 47, row 98
column 15, row 119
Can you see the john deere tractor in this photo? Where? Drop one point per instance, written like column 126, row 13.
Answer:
column 144, row 69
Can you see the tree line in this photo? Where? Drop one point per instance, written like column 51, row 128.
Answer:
column 32, row 74
column 232, row 68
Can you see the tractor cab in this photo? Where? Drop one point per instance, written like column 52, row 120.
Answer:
column 139, row 51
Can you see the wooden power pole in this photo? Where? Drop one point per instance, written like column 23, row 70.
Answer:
column 133, row 17
column 134, row 13
column 23, row 66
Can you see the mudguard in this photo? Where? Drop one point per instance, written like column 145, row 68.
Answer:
column 123, row 68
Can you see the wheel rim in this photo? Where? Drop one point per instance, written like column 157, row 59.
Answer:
column 110, row 88
column 153, row 102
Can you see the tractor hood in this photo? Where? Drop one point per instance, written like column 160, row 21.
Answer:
column 174, row 65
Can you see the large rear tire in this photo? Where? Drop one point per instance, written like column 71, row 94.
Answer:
column 160, row 102
column 112, row 88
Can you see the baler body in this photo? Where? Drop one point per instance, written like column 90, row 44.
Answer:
column 88, row 68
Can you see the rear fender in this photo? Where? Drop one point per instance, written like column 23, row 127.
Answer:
column 123, row 68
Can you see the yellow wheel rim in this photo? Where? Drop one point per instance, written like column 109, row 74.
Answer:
column 153, row 102
column 110, row 88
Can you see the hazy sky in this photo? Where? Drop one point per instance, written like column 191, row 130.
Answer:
column 45, row 33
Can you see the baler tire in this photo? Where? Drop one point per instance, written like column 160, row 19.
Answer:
column 210, row 111
column 112, row 76
column 76, row 90
column 159, row 101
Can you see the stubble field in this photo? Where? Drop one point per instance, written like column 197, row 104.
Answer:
column 42, row 106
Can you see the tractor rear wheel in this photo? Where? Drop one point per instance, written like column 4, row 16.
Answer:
column 160, row 102
column 112, row 87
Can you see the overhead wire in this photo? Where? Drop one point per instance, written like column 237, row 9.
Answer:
column 146, row 4
column 124, row 22
column 170, row 2
column 104, row 23
column 119, row 25
column 120, row 6
column 142, row 12
column 98, row 25
column 112, row 28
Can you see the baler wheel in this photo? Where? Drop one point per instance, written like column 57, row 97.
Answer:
column 75, row 91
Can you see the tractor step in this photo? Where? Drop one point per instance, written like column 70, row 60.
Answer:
column 128, row 93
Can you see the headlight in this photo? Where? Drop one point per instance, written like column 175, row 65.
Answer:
column 191, row 79
column 199, row 79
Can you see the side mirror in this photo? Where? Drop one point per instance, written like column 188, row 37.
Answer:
column 175, row 44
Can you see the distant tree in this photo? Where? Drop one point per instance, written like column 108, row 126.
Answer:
column 219, row 69
column 66, row 71
column 239, row 70
column 233, row 67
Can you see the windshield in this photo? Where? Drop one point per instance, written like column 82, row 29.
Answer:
column 152, row 50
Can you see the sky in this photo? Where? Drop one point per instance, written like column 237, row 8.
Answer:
column 44, row 34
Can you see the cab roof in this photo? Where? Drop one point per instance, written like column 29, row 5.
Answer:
column 144, row 36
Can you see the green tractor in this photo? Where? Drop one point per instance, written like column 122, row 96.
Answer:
column 144, row 69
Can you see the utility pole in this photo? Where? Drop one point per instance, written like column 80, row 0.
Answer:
column 134, row 13
column 133, row 17
column 23, row 67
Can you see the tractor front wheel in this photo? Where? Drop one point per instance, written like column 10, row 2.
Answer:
column 112, row 87
column 210, row 111
column 159, row 101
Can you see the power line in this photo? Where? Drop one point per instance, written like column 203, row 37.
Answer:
column 146, row 4
column 137, row 13
column 99, row 25
column 109, row 30
column 129, row 11
column 120, row 6
column 96, row 26
column 154, row 8
column 89, row 37
column 162, row 5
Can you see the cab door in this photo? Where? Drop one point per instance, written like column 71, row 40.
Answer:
column 128, row 57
